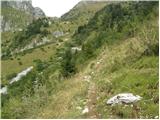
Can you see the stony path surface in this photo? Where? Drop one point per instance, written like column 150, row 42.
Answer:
column 92, row 98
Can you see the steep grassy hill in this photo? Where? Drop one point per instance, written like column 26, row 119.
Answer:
column 82, row 13
column 119, row 53
column 15, row 43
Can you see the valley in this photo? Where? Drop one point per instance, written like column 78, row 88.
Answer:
column 93, row 52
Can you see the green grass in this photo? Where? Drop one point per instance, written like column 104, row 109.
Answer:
column 141, row 81
column 123, row 68
column 13, row 66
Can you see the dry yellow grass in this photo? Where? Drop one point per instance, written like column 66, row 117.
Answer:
column 63, row 102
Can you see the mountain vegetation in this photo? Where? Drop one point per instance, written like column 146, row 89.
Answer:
column 114, row 50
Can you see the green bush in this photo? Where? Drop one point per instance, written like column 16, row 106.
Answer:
column 68, row 64
column 40, row 65
column 22, row 38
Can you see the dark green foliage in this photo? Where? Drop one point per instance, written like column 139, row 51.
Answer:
column 43, row 49
column 115, row 22
column 20, row 63
column 118, row 17
column 24, row 37
column 153, row 50
column 18, row 59
column 68, row 64
column 6, row 54
column 35, row 27
column 40, row 65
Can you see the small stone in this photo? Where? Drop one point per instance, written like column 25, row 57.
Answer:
column 98, row 62
column 98, row 98
column 86, row 110
column 156, row 117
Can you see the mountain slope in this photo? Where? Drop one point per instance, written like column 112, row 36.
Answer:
column 83, row 12
column 119, row 53
column 21, row 41
column 79, row 11
column 16, row 15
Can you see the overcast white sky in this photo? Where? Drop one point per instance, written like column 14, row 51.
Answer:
column 54, row 8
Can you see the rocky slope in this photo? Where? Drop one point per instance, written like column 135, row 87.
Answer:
column 17, row 14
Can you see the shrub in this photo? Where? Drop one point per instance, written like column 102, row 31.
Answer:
column 40, row 65
column 68, row 64
column 20, row 63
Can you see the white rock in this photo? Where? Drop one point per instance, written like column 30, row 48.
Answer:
column 21, row 74
column 124, row 98
column 92, row 73
column 86, row 110
column 98, row 62
column 131, row 105
column 87, row 78
column 3, row 90
column 156, row 117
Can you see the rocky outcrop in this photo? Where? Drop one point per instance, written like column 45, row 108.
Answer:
column 58, row 33
column 25, row 6
column 18, row 14
column 38, row 12
column 19, row 5
column 33, row 44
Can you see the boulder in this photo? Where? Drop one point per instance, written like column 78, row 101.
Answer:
column 125, row 98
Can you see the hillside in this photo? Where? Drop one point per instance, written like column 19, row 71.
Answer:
column 83, row 11
column 115, row 51
column 41, row 31
column 15, row 15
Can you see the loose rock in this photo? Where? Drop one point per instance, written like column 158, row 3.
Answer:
column 123, row 98
column 86, row 110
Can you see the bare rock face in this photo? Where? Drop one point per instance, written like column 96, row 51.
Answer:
column 13, row 21
column 38, row 12
column 19, row 5
column 5, row 26
column 25, row 6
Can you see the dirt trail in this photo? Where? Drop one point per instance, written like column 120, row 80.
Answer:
column 92, row 98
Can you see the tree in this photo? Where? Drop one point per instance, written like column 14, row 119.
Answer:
column 68, row 64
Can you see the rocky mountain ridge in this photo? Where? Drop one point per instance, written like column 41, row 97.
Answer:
column 23, row 11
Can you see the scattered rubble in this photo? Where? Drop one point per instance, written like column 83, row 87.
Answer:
column 87, row 78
